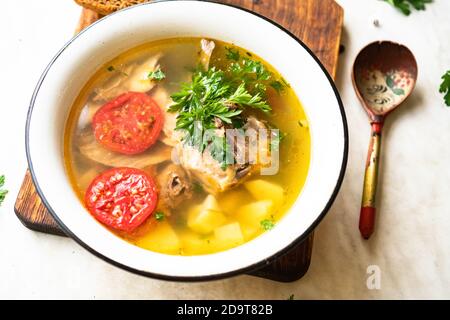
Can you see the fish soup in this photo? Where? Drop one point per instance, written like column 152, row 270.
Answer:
column 158, row 146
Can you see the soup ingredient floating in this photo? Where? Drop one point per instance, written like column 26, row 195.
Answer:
column 129, row 124
column 122, row 198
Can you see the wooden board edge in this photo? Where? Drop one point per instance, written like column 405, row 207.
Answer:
column 338, row 40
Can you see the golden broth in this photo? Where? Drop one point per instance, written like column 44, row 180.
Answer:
column 174, row 235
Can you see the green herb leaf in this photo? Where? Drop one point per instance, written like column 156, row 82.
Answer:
column 405, row 5
column 159, row 215
column 157, row 75
column 291, row 297
column 220, row 150
column 445, row 87
column 278, row 86
column 242, row 97
column 267, row 224
column 253, row 73
column 2, row 191
column 111, row 68
column 232, row 54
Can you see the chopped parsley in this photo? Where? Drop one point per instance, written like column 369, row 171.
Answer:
column 267, row 224
column 445, row 87
column 111, row 68
column 291, row 297
column 405, row 5
column 157, row 75
column 159, row 215
column 3, row 192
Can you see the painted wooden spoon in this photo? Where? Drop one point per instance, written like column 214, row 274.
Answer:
column 384, row 75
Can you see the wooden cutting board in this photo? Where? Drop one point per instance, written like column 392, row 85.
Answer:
column 318, row 23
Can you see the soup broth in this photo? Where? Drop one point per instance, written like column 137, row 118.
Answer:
column 197, row 211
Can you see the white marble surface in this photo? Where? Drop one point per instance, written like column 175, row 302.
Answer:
column 412, row 242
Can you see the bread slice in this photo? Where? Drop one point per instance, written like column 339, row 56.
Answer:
column 105, row 7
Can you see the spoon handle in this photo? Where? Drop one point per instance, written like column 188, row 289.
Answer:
column 367, row 214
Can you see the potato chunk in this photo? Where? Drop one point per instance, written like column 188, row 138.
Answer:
column 265, row 190
column 230, row 201
column 250, row 231
column 228, row 236
column 193, row 243
column 253, row 213
column 207, row 217
column 161, row 239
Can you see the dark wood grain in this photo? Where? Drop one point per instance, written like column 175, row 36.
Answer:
column 319, row 24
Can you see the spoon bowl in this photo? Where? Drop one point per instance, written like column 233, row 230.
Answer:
column 384, row 75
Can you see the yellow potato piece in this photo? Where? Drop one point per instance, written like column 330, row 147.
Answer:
column 264, row 190
column 250, row 231
column 230, row 201
column 211, row 203
column 161, row 239
column 253, row 213
column 193, row 243
column 207, row 218
column 228, row 236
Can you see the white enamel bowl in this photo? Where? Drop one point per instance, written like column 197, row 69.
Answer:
column 85, row 53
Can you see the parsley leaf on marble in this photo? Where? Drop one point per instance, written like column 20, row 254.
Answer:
column 3, row 192
column 405, row 5
column 445, row 87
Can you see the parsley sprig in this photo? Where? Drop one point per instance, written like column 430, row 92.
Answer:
column 3, row 192
column 445, row 87
column 216, row 98
column 405, row 5
column 253, row 73
column 211, row 95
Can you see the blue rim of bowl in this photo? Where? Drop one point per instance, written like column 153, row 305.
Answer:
column 253, row 267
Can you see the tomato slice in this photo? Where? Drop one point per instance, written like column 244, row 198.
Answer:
column 122, row 198
column 129, row 124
